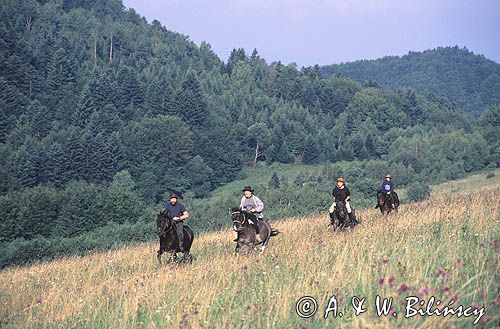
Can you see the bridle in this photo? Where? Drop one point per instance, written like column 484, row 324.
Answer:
column 171, row 226
column 241, row 222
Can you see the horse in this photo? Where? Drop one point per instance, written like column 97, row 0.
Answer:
column 169, row 241
column 246, row 231
column 384, row 202
column 339, row 218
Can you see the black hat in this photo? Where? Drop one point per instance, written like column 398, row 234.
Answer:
column 173, row 195
column 247, row 188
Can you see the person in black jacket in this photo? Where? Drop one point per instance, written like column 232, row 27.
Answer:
column 342, row 193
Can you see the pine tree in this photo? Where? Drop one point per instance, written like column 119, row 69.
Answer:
column 274, row 181
column 57, row 165
column 75, row 166
column 311, row 151
column 60, row 76
column 130, row 93
column 190, row 103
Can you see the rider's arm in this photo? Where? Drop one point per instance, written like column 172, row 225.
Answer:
column 242, row 202
column 259, row 205
column 347, row 194
column 185, row 215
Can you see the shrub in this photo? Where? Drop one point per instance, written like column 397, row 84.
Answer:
column 418, row 191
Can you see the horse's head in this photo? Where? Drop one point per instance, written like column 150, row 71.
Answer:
column 238, row 218
column 164, row 222
column 341, row 209
column 380, row 198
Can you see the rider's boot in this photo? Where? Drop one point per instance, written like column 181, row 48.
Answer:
column 392, row 204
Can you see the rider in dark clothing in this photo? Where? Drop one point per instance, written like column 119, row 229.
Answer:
column 388, row 187
column 341, row 193
column 180, row 213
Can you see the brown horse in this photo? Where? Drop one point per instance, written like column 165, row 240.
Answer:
column 169, row 241
column 384, row 202
column 246, row 231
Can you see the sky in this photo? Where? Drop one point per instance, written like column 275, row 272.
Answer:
column 309, row 32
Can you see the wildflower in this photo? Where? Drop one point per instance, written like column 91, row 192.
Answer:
column 391, row 280
column 440, row 271
column 424, row 290
column 380, row 281
column 446, row 289
column 454, row 297
column 403, row 287
column 385, row 260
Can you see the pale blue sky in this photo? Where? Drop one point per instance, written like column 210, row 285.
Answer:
column 310, row 32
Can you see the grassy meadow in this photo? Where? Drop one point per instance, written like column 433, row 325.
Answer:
column 447, row 247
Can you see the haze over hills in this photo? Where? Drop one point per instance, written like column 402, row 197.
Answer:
column 471, row 82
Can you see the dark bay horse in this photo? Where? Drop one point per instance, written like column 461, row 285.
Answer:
column 169, row 242
column 384, row 202
column 246, row 231
column 339, row 218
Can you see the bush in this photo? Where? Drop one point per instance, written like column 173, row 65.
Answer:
column 490, row 175
column 418, row 191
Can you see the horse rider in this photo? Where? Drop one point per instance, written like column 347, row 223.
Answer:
column 388, row 187
column 251, row 203
column 180, row 214
column 342, row 193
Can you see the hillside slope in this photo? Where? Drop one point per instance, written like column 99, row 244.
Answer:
column 446, row 247
column 471, row 82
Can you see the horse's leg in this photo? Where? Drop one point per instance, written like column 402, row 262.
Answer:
column 158, row 255
column 173, row 257
column 161, row 250
column 237, row 249
column 265, row 233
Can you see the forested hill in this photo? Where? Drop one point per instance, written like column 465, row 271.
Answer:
column 471, row 82
column 103, row 114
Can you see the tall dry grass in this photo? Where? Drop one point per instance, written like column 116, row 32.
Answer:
column 443, row 247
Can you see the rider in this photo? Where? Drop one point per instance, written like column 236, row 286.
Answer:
column 180, row 213
column 388, row 187
column 342, row 193
column 251, row 203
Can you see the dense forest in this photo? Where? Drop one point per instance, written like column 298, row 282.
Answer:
column 103, row 114
column 470, row 82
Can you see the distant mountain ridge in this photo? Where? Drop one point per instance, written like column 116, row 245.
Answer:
column 469, row 81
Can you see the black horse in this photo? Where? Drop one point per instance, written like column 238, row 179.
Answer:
column 339, row 218
column 246, row 231
column 169, row 240
column 384, row 202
